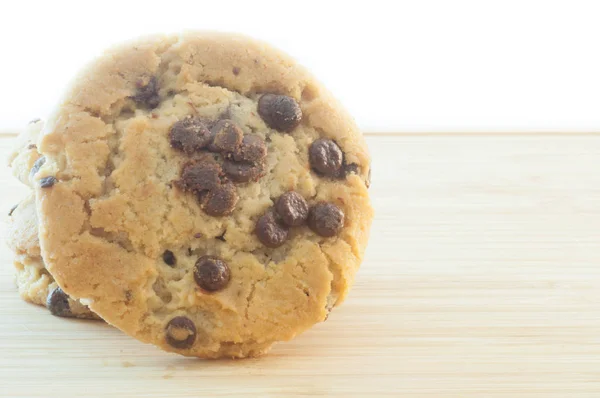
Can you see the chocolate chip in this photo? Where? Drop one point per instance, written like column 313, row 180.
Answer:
column 346, row 169
column 279, row 112
column 351, row 168
column 200, row 176
column 243, row 172
column 37, row 165
column 326, row 219
column 147, row 93
column 292, row 208
column 211, row 273
column 227, row 136
column 220, row 201
column 181, row 332
column 252, row 149
column 11, row 211
column 169, row 258
column 325, row 157
column 58, row 303
column 189, row 135
column 270, row 231
column 221, row 237
column 47, row 182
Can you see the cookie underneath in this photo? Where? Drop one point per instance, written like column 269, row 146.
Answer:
column 34, row 282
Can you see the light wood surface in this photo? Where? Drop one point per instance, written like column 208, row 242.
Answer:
column 482, row 279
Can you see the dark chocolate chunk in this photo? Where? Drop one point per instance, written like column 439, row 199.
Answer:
column 200, row 176
column 325, row 157
column 211, row 273
column 10, row 212
column 147, row 93
column 242, row 171
column 169, row 258
column 252, row 149
column 181, row 332
column 279, row 112
column 189, row 135
column 37, row 165
column 47, row 182
column 326, row 219
column 271, row 231
column 220, row 201
column 227, row 136
column 292, row 208
column 58, row 303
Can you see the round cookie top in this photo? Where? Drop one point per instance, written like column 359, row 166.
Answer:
column 203, row 193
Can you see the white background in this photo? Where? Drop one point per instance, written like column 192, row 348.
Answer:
column 398, row 66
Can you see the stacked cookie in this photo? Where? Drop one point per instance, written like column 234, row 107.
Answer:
column 200, row 192
column 33, row 280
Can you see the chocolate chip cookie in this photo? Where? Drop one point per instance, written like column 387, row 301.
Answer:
column 34, row 282
column 203, row 193
column 24, row 155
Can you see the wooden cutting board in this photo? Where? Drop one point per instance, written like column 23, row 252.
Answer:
column 482, row 279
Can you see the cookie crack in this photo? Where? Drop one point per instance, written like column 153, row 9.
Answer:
column 250, row 296
column 335, row 277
